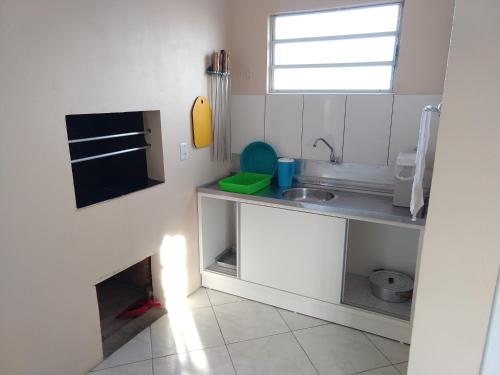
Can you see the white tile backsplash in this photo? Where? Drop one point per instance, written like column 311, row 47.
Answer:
column 247, row 120
column 406, row 123
column 323, row 117
column 367, row 128
column 283, row 125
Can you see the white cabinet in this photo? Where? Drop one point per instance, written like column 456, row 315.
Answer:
column 293, row 251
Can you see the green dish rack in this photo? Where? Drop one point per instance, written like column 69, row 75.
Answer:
column 245, row 183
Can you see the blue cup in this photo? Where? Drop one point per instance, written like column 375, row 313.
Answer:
column 286, row 170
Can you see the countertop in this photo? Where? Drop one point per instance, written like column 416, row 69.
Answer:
column 350, row 204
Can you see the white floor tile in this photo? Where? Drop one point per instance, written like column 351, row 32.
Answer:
column 189, row 341
column 138, row 368
column 273, row 355
column 208, row 361
column 339, row 350
column 389, row 370
column 219, row 298
column 395, row 351
column 195, row 300
column 402, row 368
column 298, row 321
column 198, row 299
column 182, row 331
column 248, row 320
column 137, row 349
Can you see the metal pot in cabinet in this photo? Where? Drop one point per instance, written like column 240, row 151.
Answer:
column 391, row 286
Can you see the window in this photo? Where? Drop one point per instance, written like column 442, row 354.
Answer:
column 342, row 50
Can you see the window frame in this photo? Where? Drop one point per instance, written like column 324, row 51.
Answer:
column 393, row 63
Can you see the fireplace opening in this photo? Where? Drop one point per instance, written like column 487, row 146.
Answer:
column 126, row 305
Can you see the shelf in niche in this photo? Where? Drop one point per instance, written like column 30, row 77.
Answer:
column 93, row 196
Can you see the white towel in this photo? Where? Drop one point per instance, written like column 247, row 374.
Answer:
column 417, row 191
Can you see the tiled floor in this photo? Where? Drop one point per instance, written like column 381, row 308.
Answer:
column 223, row 334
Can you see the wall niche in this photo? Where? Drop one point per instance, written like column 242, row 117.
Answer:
column 114, row 154
column 123, row 312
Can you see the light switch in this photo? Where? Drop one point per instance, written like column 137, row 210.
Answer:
column 184, row 151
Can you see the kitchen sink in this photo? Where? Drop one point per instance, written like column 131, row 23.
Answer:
column 307, row 195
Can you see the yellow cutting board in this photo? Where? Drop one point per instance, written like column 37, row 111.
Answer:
column 202, row 122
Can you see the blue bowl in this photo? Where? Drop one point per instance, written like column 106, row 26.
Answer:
column 259, row 157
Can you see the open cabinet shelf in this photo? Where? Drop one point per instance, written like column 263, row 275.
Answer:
column 357, row 293
column 371, row 246
column 219, row 240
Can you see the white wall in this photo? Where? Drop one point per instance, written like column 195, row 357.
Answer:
column 60, row 57
column 461, row 251
column 364, row 129
column 425, row 36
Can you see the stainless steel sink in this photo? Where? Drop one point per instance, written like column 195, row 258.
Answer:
column 308, row 195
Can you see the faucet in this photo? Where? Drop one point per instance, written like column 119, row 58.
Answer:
column 333, row 159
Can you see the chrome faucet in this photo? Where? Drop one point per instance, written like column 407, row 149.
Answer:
column 333, row 158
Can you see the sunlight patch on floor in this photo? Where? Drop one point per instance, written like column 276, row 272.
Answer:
column 174, row 278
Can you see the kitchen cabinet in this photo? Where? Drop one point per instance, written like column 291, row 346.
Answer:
column 297, row 252
column 308, row 260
